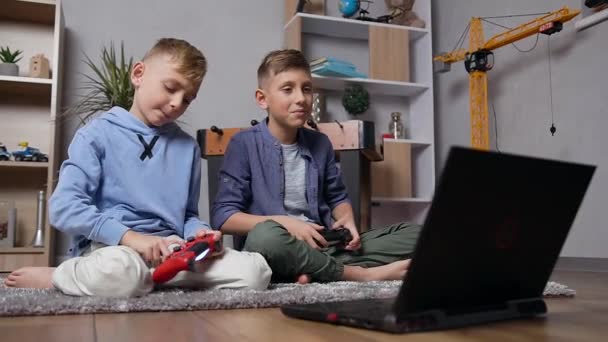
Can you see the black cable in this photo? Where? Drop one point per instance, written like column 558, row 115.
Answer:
column 515, row 46
column 499, row 25
column 495, row 128
column 490, row 22
column 516, row 15
column 530, row 49
column 552, row 129
column 461, row 39
column 468, row 29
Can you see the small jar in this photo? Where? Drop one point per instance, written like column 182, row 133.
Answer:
column 395, row 126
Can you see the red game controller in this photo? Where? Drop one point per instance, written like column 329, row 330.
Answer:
column 184, row 258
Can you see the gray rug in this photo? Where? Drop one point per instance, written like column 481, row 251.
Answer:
column 27, row 302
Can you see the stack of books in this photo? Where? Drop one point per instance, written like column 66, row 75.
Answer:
column 333, row 67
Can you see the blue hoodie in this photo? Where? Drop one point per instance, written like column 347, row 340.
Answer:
column 118, row 176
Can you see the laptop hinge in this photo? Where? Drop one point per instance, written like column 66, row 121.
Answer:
column 448, row 318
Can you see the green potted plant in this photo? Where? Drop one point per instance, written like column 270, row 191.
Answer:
column 107, row 86
column 8, row 61
column 355, row 99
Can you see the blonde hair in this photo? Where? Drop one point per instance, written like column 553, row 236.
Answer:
column 279, row 61
column 191, row 62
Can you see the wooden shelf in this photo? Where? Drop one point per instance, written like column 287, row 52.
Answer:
column 25, row 85
column 379, row 87
column 31, row 11
column 414, row 143
column 22, row 250
column 398, row 61
column 23, row 164
column 28, row 109
column 347, row 28
column 21, row 79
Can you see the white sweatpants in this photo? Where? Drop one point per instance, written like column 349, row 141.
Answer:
column 119, row 271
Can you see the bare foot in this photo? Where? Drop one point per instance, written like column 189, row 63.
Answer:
column 31, row 277
column 303, row 279
column 393, row 271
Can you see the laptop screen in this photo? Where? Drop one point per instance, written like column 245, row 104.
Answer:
column 494, row 231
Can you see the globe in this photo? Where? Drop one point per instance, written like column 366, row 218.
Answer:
column 348, row 8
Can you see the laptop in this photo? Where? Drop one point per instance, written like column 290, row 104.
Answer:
column 488, row 246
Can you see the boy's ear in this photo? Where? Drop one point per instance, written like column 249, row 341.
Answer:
column 260, row 98
column 137, row 73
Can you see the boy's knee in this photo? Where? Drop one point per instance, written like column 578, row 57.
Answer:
column 412, row 230
column 132, row 271
column 266, row 237
column 235, row 270
column 257, row 273
column 108, row 272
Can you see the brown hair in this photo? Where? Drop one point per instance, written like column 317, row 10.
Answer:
column 278, row 61
column 191, row 62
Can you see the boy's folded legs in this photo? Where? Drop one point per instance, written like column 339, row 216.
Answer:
column 111, row 271
column 233, row 270
column 382, row 246
column 119, row 271
column 289, row 257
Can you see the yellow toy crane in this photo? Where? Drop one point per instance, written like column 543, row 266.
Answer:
column 479, row 59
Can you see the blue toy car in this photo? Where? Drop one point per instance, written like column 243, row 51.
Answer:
column 30, row 154
column 4, row 154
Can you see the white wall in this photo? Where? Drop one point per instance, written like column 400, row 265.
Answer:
column 518, row 88
column 233, row 35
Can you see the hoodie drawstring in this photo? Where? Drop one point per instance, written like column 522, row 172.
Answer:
column 147, row 148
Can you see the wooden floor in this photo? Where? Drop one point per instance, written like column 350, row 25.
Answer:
column 584, row 318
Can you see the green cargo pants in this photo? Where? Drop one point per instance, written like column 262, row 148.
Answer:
column 289, row 257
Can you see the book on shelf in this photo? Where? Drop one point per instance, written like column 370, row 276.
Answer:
column 336, row 70
column 323, row 60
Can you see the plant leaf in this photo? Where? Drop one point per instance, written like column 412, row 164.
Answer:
column 108, row 84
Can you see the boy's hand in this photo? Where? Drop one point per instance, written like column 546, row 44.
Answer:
column 348, row 223
column 217, row 236
column 153, row 249
column 304, row 231
column 204, row 232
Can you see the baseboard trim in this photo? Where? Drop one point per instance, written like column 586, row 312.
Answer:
column 582, row 264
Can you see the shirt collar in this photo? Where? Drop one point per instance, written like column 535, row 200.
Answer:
column 302, row 141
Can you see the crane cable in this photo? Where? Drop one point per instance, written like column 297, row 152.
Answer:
column 466, row 30
column 461, row 40
column 552, row 129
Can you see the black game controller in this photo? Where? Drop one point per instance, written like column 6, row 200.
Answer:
column 337, row 237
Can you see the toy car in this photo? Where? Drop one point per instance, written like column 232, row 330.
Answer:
column 30, row 154
column 4, row 154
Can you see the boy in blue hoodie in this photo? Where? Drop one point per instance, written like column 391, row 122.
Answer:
column 130, row 189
